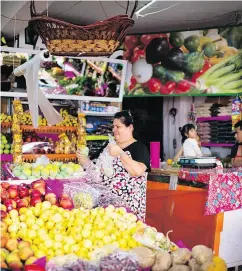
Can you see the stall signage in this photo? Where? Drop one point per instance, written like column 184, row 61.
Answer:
column 188, row 63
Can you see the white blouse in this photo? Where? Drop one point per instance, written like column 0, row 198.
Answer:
column 191, row 148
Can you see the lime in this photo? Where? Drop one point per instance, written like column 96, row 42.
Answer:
column 209, row 49
column 176, row 39
column 192, row 43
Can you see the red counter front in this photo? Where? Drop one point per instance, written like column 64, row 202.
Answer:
column 183, row 212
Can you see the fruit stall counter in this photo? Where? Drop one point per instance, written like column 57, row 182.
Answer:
column 191, row 212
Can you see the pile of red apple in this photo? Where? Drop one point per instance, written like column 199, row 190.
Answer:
column 19, row 196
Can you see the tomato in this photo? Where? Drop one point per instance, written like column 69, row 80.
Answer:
column 154, row 85
column 33, row 267
column 183, row 86
column 130, row 42
column 168, row 88
column 138, row 53
column 145, row 39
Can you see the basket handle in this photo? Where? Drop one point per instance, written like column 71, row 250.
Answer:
column 33, row 12
column 134, row 9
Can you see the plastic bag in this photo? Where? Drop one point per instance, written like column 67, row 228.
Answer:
column 119, row 261
column 69, row 262
column 150, row 238
column 82, row 194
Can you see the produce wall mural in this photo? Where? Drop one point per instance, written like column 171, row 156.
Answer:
column 202, row 62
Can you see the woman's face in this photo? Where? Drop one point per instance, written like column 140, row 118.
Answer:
column 192, row 134
column 121, row 132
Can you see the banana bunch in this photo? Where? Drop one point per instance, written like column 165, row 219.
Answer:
column 5, row 118
column 42, row 121
column 68, row 120
column 26, row 119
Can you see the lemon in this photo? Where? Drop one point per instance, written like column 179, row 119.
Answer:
column 31, row 234
column 169, row 162
column 87, row 243
column 39, row 254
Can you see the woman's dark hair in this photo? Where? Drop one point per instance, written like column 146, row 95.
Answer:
column 185, row 130
column 125, row 117
column 135, row 117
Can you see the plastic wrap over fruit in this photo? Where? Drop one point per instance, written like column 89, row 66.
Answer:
column 149, row 237
column 119, row 261
column 69, row 262
column 82, row 194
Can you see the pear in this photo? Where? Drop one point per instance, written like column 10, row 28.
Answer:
column 25, row 253
column 12, row 257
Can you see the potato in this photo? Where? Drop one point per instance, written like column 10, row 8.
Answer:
column 181, row 256
column 202, row 254
column 144, row 256
column 193, row 265
column 179, row 268
column 207, row 266
column 162, row 261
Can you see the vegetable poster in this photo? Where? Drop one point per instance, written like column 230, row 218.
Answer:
column 202, row 62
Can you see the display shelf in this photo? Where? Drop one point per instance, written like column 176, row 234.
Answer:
column 100, row 114
column 217, row 144
column 49, row 129
column 56, row 157
column 6, row 124
column 62, row 97
column 218, row 118
column 6, row 157
column 96, row 137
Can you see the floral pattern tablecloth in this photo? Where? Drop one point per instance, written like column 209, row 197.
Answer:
column 202, row 176
column 224, row 193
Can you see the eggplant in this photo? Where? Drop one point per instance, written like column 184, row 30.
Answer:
column 174, row 59
column 157, row 50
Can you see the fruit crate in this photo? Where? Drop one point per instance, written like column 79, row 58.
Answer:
column 55, row 157
column 48, row 129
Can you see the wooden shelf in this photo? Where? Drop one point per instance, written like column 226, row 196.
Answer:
column 49, row 129
column 6, row 124
column 56, row 157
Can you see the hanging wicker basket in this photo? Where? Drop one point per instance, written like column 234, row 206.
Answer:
column 99, row 39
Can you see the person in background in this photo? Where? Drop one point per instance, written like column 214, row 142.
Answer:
column 129, row 162
column 236, row 152
column 205, row 151
column 189, row 141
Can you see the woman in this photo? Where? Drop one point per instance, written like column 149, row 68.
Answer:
column 123, row 165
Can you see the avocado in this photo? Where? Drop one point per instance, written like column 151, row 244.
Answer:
column 176, row 39
column 209, row 49
column 192, row 43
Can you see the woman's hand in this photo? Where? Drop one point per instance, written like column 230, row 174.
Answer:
column 83, row 159
column 114, row 149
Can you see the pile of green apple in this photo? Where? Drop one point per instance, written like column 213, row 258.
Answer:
column 5, row 144
column 57, row 170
